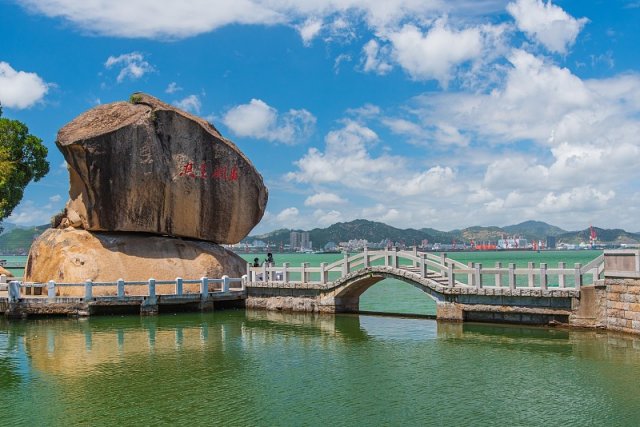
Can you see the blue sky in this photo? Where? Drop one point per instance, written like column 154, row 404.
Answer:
column 417, row 113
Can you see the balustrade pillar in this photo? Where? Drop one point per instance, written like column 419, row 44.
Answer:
column 561, row 281
column 88, row 290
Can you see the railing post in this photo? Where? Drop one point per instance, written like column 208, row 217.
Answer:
column 478, row 275
column 303, row 272
column 443, row 258
column 423, row 265
column 365, row 258
column 204, row 287
column 225, row 283
column 470, row 275
column 543, row 276
column 152, row 290
column 512, row 276
column 243, row 283
column 265, row 277
column 285, row 272
column 498, row 277
column 3, row 278
column 561, row 266
column 394, row 259
column 386, row 257
column 451, row 276
column 179, row 286
column 51, row 289
column 88, row 290
column 530, row 275
column 14, row 291
column 345, row 264
column 414, row 263
column 323, row 273
column 120, row 288
column 577, row 276
column 249, row 265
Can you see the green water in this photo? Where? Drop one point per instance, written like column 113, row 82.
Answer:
column 394, row 296
column 267, row 369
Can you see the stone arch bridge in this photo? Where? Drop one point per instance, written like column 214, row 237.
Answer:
column 531, row 294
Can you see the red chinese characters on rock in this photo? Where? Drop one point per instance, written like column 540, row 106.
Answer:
column 219, row 173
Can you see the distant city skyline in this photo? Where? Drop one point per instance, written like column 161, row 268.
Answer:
column 416, row 114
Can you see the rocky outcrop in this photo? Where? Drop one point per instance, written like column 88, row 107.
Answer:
column 146, row 166
column 74, row 256
column 6, row 272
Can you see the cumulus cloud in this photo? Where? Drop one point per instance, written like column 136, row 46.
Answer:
column 288, row 216
column 190, row 103
column 30, row 213
column 546, row 23
column 324, row 218
column 20, row 89
column 324, row 199
column 374, row 58
column 132, row 66
column 173, row 88
column 433, row 55
column 346, row 159
column 260, row 121
column 176, row 20
column 309, row 29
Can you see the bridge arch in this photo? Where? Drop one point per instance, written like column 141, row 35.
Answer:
column 347, row 291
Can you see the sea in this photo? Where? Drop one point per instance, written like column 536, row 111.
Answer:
column 257, row 368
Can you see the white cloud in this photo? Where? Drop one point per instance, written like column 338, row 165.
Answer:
column 345, row 160
column 577, row 199
column 436, row 181
column 175, row 20
column 324, row 199
column 259, row 120
column 173, row 88
column 288, row 216
column 190, row 103
column 323, row 218
column 20, row 89
column 309, row 29
column 30, row 213
column 132, row 66
column 436, row 53
column 374, row 58
column 546, row 23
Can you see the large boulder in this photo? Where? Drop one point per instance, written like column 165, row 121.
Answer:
column 6, row 272
column 146, row 166
column 73, row 256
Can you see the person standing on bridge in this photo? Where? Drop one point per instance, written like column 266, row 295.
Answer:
column 269, row 260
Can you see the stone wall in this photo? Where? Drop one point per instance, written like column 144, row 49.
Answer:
column 623, row 305
column 622, row 282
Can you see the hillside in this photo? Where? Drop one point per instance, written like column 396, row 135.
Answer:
column 375, row 232
column 534, row 230
column 18, row 239
column 616, row 236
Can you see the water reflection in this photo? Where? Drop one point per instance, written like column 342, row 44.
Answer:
column 269, row 368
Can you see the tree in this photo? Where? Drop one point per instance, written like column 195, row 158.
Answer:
column 23, row 158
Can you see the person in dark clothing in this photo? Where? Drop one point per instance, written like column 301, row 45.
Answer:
column 256, row 262
column 269, row 259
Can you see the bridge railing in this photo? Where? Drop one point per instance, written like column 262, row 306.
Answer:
column 449, row 272
column 121, row 289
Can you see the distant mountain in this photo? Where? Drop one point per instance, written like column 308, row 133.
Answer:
column 358, row 229
column 616, row 236
column 375, row 232
column 19, row 239
column 534, row 230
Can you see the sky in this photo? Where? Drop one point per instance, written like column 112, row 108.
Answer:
column 416, row 113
